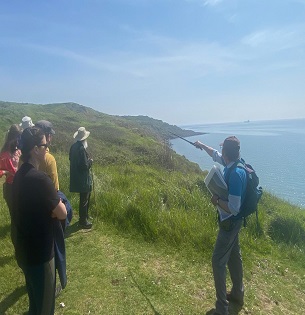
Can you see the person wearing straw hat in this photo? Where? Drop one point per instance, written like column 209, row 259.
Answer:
column 80, row 178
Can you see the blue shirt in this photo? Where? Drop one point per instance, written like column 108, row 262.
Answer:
column 237, row 183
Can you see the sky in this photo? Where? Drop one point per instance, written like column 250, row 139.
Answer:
column 180, row 61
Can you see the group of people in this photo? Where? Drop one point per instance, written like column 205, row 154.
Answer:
column 36, row 205
column 31, row 193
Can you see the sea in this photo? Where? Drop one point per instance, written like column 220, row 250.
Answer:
column 275, row 148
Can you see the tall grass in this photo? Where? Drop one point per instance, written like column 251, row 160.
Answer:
column 163, row 206
column 167, row 217
column 146, row 198
column 174, row 208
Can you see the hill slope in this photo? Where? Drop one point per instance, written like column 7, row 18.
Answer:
column 154, row 229
column 113, row 139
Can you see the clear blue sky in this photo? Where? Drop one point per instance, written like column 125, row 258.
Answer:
column 181, row 61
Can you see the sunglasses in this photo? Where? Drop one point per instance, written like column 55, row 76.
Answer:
column 43, row 145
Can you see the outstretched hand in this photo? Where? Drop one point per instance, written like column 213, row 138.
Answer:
column 198, row 145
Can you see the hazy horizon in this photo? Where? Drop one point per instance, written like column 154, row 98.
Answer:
column 180, row 61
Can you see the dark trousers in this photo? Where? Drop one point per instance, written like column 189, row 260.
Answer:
column 40, row 283
column 84, row 199
column 227, row 253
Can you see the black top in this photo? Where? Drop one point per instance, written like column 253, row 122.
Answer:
column 80, row 164
column 32, row 230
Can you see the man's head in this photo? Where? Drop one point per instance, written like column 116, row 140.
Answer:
column 230, row 148
column 47, row 128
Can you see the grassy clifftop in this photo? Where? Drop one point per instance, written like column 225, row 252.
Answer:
column 154, row 229
column 113, row 139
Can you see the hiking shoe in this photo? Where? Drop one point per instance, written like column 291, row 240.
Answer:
column 233, row 299
column 86, row 225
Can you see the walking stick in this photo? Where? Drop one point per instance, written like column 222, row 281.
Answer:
column 190, row 142
column 93, row 198
column 93, row 186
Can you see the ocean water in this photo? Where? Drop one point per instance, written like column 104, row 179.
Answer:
column 276, row 150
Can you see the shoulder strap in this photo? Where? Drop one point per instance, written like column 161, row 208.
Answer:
column 238, row 163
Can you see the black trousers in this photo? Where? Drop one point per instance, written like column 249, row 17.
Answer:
column 84, row 200
column 40, row 283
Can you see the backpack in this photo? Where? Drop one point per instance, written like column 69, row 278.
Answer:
column 253, row 191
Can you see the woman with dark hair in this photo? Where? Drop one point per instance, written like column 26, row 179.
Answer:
column 35, row 207
column 9, row 159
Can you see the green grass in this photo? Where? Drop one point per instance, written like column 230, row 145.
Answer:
column 150, row 249
column 154, row 229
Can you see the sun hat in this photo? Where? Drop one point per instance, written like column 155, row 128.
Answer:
column 26, row 122
column 231, row 143
column 46, row 126
column 81, row 134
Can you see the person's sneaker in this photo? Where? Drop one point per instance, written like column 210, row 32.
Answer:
column 85, row 225
column 235, row 300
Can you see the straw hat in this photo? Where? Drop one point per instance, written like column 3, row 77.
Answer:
column 81, row 134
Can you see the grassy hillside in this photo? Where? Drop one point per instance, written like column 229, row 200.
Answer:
column 154, row 229
column 113, row 139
